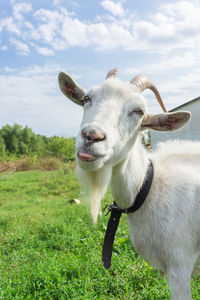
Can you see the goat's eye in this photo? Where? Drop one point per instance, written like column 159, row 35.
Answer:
column 86, row 99
column 140, row 113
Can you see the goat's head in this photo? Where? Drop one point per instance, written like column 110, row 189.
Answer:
column 114, row 113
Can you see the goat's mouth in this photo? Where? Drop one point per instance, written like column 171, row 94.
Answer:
column 90, row 161
column 85, row 156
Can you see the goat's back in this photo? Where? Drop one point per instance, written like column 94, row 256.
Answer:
column 175, row 152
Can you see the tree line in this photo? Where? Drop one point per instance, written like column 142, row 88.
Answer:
column 18, row 140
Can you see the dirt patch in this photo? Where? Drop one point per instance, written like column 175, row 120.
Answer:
column 31, row 163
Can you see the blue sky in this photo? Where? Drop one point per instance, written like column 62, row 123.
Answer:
column 38, row 39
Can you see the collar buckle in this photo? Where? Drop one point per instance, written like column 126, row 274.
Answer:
column 106, row 210
column 112, row 207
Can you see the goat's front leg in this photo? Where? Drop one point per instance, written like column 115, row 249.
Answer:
column 180, row 284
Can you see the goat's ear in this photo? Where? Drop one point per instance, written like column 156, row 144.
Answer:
column 70, row 88
column 167, row 121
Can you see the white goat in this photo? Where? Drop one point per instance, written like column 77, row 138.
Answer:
column 166, row 229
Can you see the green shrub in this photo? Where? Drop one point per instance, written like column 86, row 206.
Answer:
column 2, row 148
column 16, row 140
column 62, row 147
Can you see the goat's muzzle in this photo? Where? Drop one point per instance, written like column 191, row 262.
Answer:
column 89, row 151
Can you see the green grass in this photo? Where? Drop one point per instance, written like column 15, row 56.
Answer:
column 49, row 249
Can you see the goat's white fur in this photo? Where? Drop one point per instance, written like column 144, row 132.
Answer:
column 97, row 183
column 166, row 229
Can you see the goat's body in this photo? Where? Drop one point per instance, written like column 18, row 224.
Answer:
column 166, row 229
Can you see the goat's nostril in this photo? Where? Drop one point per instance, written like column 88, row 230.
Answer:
column 98, row 136
column 89, row 137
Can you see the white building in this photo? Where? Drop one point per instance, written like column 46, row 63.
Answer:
column 191, row 131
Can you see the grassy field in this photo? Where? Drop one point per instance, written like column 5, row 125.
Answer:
column 49, row 249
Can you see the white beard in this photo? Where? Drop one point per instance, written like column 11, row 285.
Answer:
column 96, row 182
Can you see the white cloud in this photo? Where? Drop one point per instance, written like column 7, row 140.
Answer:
column 172, row 26
column 57, row 2
column 161, row 33
column 21, row 8
column 47, row 32
column 73, row 32
column 115, row 8
column 50, row 25
column 44, row 51
column 168, row 63
column 31, row 96
column 22, row 48
column 4, row 47
column 9, row 25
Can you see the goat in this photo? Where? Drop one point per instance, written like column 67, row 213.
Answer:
column 166, row 229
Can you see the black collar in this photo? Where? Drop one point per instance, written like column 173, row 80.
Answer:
column 116, row 212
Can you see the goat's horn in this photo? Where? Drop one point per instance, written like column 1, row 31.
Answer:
column 112, row 73
column 142, row 82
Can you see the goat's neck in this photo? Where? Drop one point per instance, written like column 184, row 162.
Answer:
column 128, row 175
